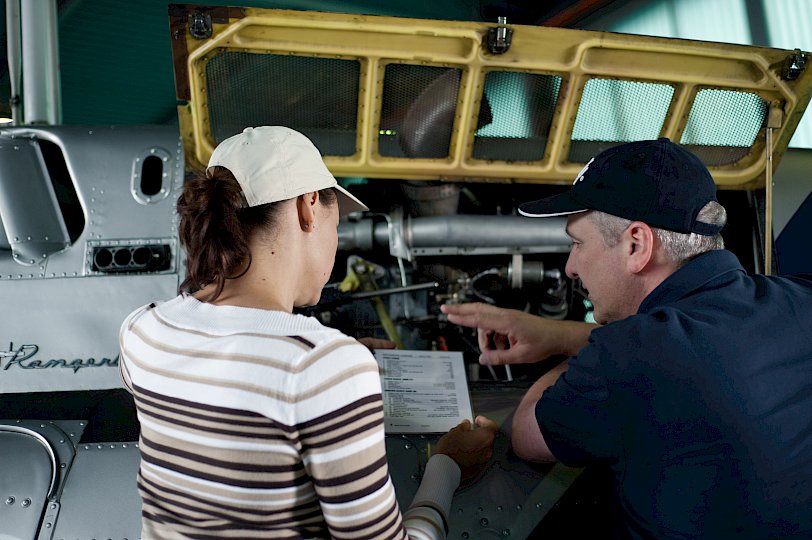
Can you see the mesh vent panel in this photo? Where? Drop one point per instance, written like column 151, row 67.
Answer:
column 417, row 111
column 723, row 125
column 316, row 96
column 614, row 112
column 515, row 116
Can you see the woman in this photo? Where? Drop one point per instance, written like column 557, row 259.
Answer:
column 256, row 422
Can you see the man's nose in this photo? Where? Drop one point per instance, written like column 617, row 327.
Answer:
column 569, row 269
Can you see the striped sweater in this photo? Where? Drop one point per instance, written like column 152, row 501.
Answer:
column 263, row 424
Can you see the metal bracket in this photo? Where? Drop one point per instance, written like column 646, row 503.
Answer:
column 499, row 38
column 398, row 246
column 46, row 531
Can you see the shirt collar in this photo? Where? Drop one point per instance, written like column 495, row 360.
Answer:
column 691, row 276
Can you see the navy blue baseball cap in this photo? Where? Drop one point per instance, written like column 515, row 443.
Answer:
column 657, row 182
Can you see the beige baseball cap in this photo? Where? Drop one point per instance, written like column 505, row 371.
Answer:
column 276, row 163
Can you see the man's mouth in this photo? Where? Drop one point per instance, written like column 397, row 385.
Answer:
column 578, row 287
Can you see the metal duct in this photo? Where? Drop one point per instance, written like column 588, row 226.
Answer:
column 484, row 231
column 460, row 234
column 429, row 121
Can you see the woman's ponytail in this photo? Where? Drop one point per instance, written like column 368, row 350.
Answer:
column 212, row 231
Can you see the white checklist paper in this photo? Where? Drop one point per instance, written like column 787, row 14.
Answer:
column 423, row 391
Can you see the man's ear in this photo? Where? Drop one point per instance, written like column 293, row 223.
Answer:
column 639, row 244
column 306, row 208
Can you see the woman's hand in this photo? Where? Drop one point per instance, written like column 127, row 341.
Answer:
column 469, row 446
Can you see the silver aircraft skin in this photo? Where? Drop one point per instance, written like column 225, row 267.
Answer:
column 82, row 244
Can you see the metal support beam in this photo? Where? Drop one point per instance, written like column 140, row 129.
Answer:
column 14, row 46
column 40, row 58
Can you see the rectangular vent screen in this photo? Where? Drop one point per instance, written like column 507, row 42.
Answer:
column 131, row 259
column 723, row 125
column 316, row 96
column 613, row 111
column 515, row 116
column 418, row 107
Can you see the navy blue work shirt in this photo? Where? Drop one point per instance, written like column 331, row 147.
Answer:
column 701, row 403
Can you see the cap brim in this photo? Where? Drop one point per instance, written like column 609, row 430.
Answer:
column 347, row 202
column 557, row 205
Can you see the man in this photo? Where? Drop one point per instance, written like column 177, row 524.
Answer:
column 696, row 387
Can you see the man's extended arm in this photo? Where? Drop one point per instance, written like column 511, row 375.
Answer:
column 509, row 336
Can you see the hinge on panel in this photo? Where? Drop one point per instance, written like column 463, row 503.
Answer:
column 200, row 25
column 499, row 38
column 794, row 65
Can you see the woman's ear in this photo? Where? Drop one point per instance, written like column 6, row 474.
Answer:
column 306, row 208
column 639, row 245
